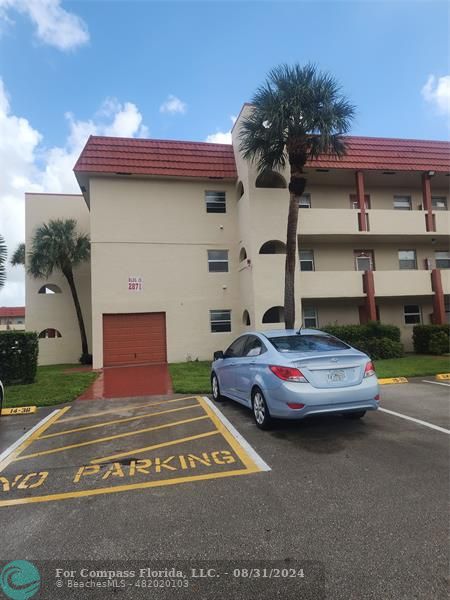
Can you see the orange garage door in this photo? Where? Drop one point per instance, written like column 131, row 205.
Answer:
column 134, row 339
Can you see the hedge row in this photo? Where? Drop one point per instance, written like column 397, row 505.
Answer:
column 18, row 356
column 375, row 339
column 431, row 339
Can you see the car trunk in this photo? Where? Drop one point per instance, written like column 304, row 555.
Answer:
column 331, row 369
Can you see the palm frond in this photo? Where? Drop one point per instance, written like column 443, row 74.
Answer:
column 18, row 258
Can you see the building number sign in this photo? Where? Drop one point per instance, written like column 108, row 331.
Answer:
column 135, row 284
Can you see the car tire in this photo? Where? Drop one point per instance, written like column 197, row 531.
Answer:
column 215, row 388
column 260, row 410
column 355, row 415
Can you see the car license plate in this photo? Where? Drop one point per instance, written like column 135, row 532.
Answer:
column 336, row 376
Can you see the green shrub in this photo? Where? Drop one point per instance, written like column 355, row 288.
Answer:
column 355, row 333
column 439, row 343
column 18, row 356
column 378, row 348
column 422, row 336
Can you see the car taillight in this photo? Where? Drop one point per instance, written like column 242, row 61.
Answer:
column 295, row 405
column 288, row 373
column 369, row 370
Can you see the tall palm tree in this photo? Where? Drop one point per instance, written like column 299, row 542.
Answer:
column 18, row 258
column 3, row 255
column 298, row 114
column 57, row 245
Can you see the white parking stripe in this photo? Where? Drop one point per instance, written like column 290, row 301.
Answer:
column 436, row 383
column 430, row 425
column 235, row 433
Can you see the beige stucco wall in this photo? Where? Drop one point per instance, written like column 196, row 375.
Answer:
column 57, row 311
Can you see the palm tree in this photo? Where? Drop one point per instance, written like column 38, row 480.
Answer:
column 298, row 114
column 3, row 254
column 18, row 258
column 57, row 245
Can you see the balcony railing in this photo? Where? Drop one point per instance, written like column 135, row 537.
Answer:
column 402, row 283
column 330, row 284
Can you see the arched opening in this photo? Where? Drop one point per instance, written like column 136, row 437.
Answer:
column 50, row 288
column 246, row 318
column 274, row 315
column 273, row 247
column 240, row 190
column 50, row 333
column 270, row 179
column 242, row 254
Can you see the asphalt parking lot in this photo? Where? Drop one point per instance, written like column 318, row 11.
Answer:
column 367, row 500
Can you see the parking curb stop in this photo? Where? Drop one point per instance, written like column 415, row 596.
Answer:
column 389, row 380
column 443, row 376
column 19, row 410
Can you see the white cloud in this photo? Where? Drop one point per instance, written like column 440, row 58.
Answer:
column 221, row 137
column 436, row 91
column 54, row 25
column 27, row 166
column 173, row 105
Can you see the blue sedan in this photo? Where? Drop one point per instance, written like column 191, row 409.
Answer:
column 291, row 374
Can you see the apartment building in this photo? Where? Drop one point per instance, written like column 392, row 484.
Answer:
column 12, row 317
column 188, row 245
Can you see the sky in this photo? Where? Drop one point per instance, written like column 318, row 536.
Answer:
column 182, row 70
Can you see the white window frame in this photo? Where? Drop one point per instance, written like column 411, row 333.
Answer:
column 215, row 201
column 398, row 198
column 404, row 260
column 217, row 261
column 306, row 260
column 214, row 320
column 312, row 316
column 304, row 201
column 436, row 199
column 412, row 313
column 446, row 259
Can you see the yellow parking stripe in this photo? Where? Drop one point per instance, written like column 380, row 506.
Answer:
column 109, row 438
column 126, row 420
column 13, row 456
column 154, row 447
column 122, row 409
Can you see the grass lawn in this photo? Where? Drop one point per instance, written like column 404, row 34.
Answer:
column 193, row 377
column 52, row 386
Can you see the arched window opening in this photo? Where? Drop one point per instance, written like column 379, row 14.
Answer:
column 50, row 288
column 50, row 333
column 246, row 318
column 242, row 254
column 273, row 247
column 274, row 315
column 240, row 190
column 270, row 179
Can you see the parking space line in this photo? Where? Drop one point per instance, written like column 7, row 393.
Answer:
column 154, row 447
column 436, row 382
column 126, row 420
column 233, row 437
column 121, row 409
column 11, row 453
column 110, row 437
column 424, row 423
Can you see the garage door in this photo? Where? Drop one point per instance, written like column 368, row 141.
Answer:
column 136, row 338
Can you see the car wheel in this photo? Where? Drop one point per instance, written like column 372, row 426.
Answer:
column 261, row 413
column 215, row 389
column 355, row 415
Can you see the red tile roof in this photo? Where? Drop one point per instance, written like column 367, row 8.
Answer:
column 167, row 158
column 157, row 157
column 12, row 311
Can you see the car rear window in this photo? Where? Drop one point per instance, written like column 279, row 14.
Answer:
column 307, row 343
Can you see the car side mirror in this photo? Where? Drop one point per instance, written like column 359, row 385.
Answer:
column 218, row 354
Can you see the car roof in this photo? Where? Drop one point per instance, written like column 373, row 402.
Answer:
column 272, row 333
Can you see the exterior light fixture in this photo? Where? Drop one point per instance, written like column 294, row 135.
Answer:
column 431, row 173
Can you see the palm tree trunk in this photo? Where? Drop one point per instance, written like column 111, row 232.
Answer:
column 84, row 343
column 296, row 188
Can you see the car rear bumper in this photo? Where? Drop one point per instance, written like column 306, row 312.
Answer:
column 321, row 401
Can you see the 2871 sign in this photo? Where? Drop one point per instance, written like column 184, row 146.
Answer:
column 135, row 284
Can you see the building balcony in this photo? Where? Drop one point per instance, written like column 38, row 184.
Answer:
column 445, row 276
column 330, row 284
column 402, row 283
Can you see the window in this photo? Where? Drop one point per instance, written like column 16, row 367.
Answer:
column 253, row 347
column 412, row 314
column 50, row 333
column 310, row 316
column 439, row 202
column 270, row 179
column 364, row 260
column 242, row 254
column 306, row 260
column 215, row 202
column 246, row 318
column 304, row 201
column 274, row 315
column 442, row 260
column 220, row 320
column 407, row 259
column 447, row 308
column 273, row 247
column 307, row 343
column 237, row 347
column 49, row 288
column 402, row 203
column 218, row 261
column 355, row 204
